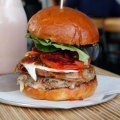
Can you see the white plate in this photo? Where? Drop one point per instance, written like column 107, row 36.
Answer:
column 9, row 94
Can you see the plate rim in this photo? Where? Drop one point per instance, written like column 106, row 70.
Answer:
column 19, row 104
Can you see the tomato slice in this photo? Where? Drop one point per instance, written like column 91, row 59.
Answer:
column 81, row 65
column 58, row 65
column 62, row 61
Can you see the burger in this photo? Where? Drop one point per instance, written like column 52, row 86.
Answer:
column 58, row 66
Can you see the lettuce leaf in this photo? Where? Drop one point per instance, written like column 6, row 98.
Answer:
column 48, row 46
column 82, row 56
column 43, row 48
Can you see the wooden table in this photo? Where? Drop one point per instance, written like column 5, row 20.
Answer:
column 106, row 111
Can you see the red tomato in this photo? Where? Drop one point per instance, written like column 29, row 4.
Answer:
column 58, row 65
column 61, row 61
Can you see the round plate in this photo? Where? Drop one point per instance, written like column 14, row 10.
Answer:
column 59, row 104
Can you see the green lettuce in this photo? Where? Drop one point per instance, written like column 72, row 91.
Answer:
column 48, row 46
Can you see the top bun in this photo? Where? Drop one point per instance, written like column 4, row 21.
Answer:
column 64, row 26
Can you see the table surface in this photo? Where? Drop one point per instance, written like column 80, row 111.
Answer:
column 106, row 111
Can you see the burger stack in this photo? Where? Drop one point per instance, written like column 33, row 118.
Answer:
column 58, row 66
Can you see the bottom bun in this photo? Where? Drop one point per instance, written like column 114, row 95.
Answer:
column 83, row 91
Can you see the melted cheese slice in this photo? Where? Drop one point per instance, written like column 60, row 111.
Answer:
column 31, row 70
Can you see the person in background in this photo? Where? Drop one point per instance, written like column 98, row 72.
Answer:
column 96, row 8
column 31, row 7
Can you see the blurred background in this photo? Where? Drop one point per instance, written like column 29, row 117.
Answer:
column 104, row 13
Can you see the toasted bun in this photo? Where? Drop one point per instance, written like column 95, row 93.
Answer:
column 84, row 91
column 64, row 26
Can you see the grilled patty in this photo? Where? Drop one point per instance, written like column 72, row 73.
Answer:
column 47, row 83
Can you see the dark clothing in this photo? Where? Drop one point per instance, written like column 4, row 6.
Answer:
column 31, row 1
column 31, row 7
column 96, row 8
